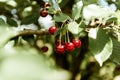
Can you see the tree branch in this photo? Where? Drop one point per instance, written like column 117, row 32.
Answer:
column 32, row 32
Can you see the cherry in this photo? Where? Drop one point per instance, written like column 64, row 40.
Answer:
column 47, row 5
column 60, row 49
column 44, row 49
column 69, row 46
column 52, row 30
column 76, row 42
column 43, row 13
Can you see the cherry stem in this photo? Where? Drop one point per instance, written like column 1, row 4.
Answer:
column 68, row 36
column 60, row 38
column 65, row 38
column 81, row 22
column 61, row 33
column 19, row 40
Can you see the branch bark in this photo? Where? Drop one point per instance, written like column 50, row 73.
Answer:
column 32, row 32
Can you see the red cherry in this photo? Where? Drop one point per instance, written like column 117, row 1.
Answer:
column 60, row 49
column 52, row 30
column 69, row 46
column 77, row 43
column 43, row 13
column 44, row 49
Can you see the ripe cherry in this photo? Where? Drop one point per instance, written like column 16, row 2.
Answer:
column 69, row 46
column 44, row 49
column 60, row 49
column 52, row 30
column 43, row 13
column 77, row 43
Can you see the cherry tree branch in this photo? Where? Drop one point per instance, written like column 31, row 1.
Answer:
column 32, row 32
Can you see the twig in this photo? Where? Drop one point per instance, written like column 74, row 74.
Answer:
column 32, row 32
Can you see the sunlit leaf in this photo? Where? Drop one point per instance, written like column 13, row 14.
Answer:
column 61, row 17
column 26, row 63
column 115, row 57
column 100, row 45
column 76, row 10
column 73, row 27
column 6, row 32
column 55, row 5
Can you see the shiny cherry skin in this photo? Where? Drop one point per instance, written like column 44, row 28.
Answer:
column 77, row 43
column 43, row 13
column 52, row 30
column 60, row 49
column 69, row 46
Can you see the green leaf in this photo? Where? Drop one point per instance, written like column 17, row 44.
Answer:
column 119, row 37
column 12, row 22
column 59, row 1
column 63, row 3
column 6, row 33
column 100, row 44
column 73, row 27
column 61, row 17
column 117, row 4
column 115, row 57
column 33, row 62
column 82, row 24
column 76, row 10
column 87, row 2
column 33, row 18
column 26, row 63
column 82, row 27
column 50, row 10
column 112, row 19
column 55, row 5
column 60, row 30
column 117, row 15
column 2, row 22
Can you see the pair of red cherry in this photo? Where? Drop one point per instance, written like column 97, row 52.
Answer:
column 69, row 46
column 52, row 30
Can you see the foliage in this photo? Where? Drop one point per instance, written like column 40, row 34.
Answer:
column 24, row 32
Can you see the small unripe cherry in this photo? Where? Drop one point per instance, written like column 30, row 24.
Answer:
column 52, row 30
column 43, row 13
column 44, row 49
column 77, row 43
column 60, row 49
column 69, row 46
column 47, row 5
